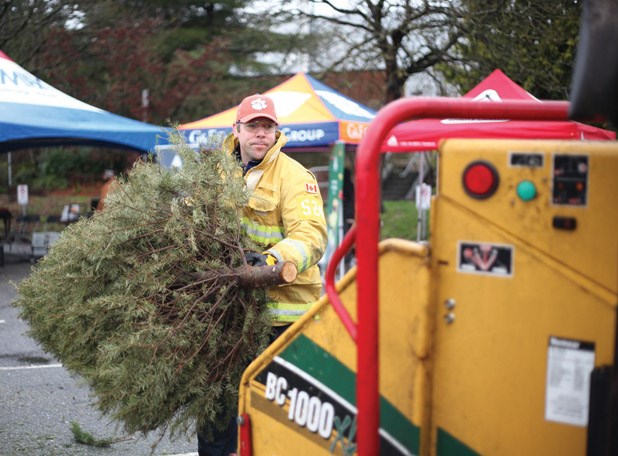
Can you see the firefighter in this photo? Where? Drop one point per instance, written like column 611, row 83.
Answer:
column 284, row 216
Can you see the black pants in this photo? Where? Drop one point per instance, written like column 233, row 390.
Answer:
column 224, row 442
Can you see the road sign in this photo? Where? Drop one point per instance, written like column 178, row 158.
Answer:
column 423, row 196
column 22, row 195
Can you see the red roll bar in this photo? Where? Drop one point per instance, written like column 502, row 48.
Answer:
column 367, row 233
column 344, row 316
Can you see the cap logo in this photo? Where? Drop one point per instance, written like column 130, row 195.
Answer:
column 256, row 106
column 259, row 104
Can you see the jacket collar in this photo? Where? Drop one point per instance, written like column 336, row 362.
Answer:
column 252, row 178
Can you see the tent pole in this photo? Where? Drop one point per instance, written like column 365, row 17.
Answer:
column 334, row 209
column 10, row 169
column 340, row 236
column 419, row 211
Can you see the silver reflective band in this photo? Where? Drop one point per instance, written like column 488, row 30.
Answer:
column 289, row 313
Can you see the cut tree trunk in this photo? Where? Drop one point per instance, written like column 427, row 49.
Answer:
column 256, row 276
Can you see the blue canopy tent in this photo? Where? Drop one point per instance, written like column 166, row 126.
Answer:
column 35, row 114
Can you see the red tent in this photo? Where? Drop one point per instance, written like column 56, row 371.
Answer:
column 419, row 135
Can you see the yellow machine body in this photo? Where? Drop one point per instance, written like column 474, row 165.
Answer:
column 499, row 383
column 488, row 336
column 300, row 394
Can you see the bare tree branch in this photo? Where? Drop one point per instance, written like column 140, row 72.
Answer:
column 403, row 37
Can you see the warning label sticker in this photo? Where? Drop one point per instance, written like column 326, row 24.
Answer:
column 485, row 258
column 567, row 391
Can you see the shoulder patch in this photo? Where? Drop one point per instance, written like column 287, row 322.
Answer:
column 312, row 188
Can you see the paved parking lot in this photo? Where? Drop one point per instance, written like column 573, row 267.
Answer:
column 40, row 399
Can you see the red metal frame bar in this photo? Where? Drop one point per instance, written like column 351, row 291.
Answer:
column 344, row 316
column 368, row 230
column 246, row 442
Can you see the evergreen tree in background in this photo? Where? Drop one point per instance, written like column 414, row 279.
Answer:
column 532, row 42
column 194, row 57
column 188, row 55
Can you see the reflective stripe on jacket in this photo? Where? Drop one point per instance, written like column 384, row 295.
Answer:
column 285, row 216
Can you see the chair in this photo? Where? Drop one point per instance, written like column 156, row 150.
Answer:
column 41, row 243
column 25, row 225
column 38, row 244
column 53, row 222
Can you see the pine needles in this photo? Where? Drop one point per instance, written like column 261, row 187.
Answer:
column 117, row 302
column 86, row 438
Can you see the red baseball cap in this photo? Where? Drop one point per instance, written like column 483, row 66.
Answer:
column 256, row 106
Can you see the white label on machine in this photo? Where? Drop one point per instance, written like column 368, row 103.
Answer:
column 567, row 392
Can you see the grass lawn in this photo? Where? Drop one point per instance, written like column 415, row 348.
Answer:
column 400, row 220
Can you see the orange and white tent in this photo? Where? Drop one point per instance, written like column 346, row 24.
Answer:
column 310, row 113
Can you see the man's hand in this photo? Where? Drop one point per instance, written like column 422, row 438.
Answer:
column 260, row 259
column 255, row 259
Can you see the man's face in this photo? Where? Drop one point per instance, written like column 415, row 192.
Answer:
column 255, row 138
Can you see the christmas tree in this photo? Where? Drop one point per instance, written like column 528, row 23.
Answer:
column 145, row 300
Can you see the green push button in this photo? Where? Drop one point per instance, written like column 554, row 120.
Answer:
column 526, row 190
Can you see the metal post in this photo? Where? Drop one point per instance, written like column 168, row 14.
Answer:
column 342, row 265
column 419, row 211
column 10, row 170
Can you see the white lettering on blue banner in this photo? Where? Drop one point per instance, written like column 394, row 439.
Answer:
column 208, row 137
column 303, row 135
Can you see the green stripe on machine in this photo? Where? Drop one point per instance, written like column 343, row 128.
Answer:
column 315, row 361
column 448, row 445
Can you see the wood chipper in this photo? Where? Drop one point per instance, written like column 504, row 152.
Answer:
column 497, row 337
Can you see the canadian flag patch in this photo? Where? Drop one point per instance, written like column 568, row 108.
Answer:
column 312, row 188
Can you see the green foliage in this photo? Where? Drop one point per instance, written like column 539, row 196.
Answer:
column 187, row 54
column 57, row 167
column 87, row 438
column 49, row 182
column 25, row 25
column 138, row 299
column 59, row 161
column 532, row 42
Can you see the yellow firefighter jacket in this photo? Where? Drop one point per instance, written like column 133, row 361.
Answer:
column 285, row 216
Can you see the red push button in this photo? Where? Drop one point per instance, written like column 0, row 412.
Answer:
column 480, row 180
